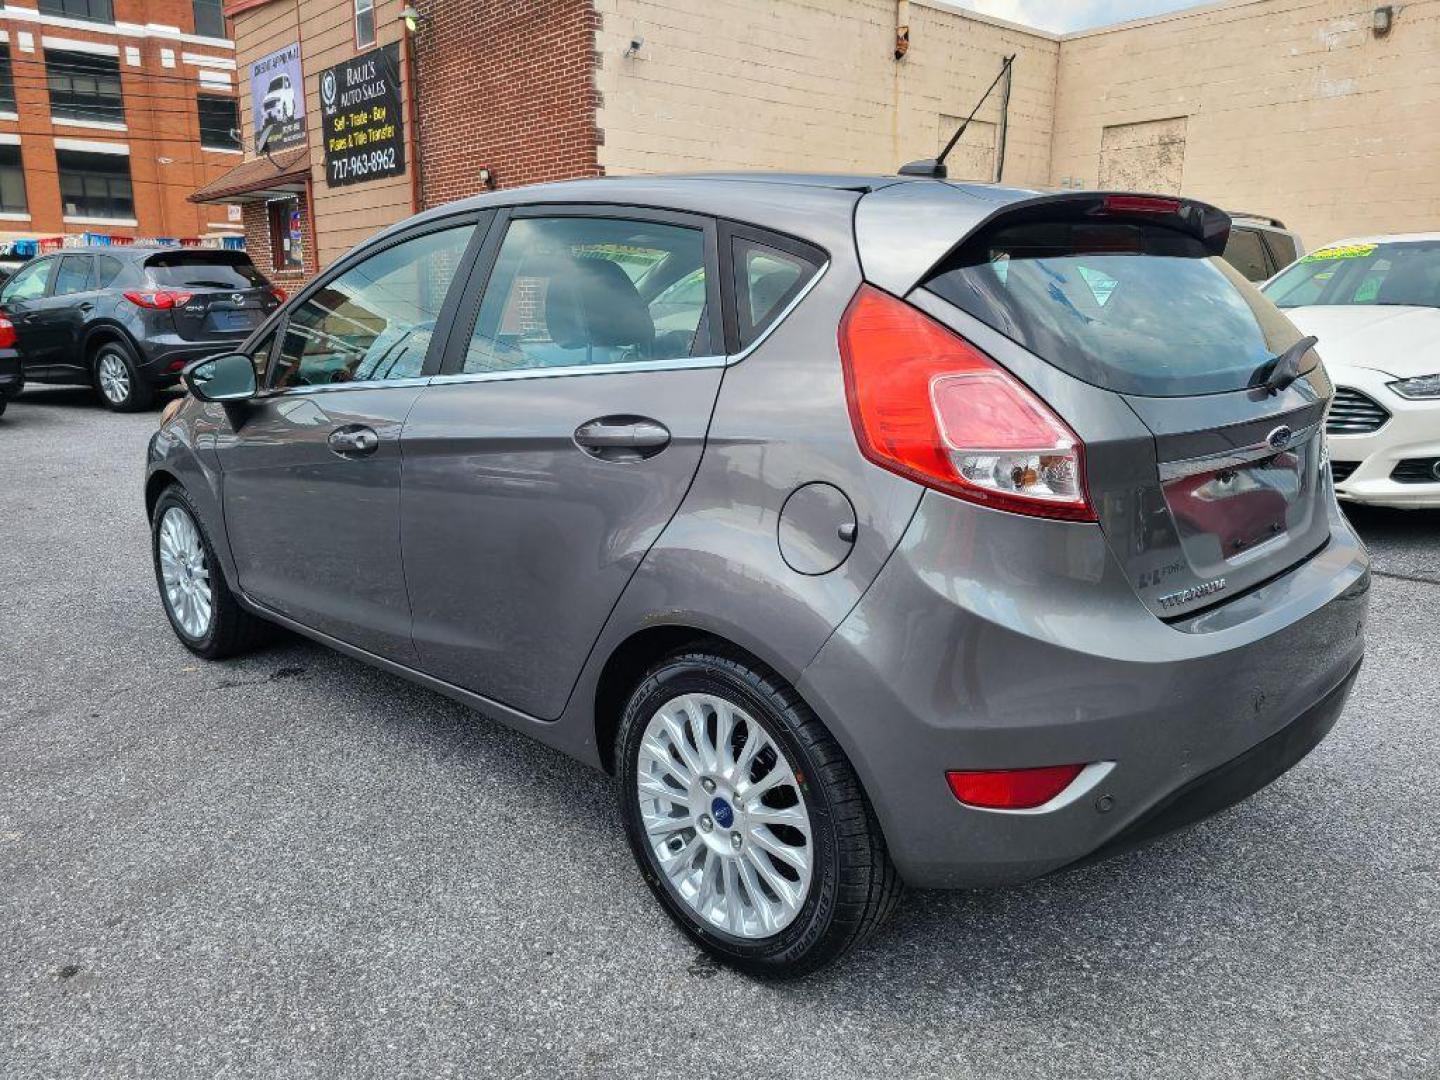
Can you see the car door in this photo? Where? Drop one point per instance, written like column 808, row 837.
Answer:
column 62, row 315
column 311, row 470
column 19, row 301
column 560, row 437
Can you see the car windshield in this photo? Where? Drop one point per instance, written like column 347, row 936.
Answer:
column 205, row 270
column 1399, row 273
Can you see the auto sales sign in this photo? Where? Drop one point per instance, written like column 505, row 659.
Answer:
column 364, row 129
column 277, row 100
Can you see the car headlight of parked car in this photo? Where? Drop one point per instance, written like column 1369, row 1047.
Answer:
column 1420, row 388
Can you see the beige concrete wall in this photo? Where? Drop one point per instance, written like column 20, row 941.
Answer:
column 813, row 85
column 1288, row 107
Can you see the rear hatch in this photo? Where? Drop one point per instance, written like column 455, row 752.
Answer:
column 220, row 294
column 1129, row 294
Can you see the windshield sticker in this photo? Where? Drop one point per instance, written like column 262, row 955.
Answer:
column 1101, row 284
column 1343, row 251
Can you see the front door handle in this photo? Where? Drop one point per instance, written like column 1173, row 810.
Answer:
column 354, row 441
column 622, row 438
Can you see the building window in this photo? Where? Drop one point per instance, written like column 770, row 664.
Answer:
column 84, row 86
column 287, row 239
column 95, row 185
column 12, row 181
column 89, row 10
column 219, row 122
column 210, row 18
column 7, row 81
column 364, row 23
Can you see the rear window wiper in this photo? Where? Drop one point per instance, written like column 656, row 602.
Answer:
column 1284, row 369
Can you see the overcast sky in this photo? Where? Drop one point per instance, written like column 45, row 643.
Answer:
column 1061, row 15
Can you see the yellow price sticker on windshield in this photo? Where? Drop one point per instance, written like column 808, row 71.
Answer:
column 1342, row 251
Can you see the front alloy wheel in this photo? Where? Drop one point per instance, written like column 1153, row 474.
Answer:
column 747, row 821
column 184, row 575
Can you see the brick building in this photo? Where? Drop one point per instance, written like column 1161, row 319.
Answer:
column 1304, row 109
column 111, row 113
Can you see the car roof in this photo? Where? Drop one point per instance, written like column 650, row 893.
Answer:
column 130, row 249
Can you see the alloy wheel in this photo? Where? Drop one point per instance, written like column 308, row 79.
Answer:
column 184, row 573
column 724, row 816
column 114, row 378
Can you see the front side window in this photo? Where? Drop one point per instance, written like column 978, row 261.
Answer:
column 577, row 291
column 84, row 87
column 219, row 122
column 28, row 283
column 364, row 23
column 95, row 185
column 1401, row 274
column 12, row 181
column 210, row 18
column 73, row 275
column 373, row 322
column 89, row 10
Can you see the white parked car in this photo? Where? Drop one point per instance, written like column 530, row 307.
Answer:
column 1374, row 303
column 279, row 103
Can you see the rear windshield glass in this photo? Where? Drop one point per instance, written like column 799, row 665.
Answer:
column 204, row 270
column 1133, row 308
column 1406, row 275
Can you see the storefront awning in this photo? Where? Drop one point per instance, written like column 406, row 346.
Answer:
column 264, row 178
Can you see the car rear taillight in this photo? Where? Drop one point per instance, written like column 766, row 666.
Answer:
column 930, row 406
column 159, row 299
column 7, row 333
column 1012, row 789
column 277, row 293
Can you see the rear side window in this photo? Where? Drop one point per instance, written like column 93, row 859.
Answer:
column 204, row 270
column 570, row 291
column 73, row 275
column 1282, row 248
column 766, row 280
column 107, row 269
column 1133, row 308
column 1246, row 252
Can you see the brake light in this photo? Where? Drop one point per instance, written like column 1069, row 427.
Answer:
column 159, row 299
column 278, row 293
column 1012, row 789
column 1141, row 204
column 930, row 406
column 7, row 333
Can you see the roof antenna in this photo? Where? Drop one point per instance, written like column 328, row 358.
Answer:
column 935, row 167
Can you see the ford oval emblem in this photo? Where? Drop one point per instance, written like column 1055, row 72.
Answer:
column 1279, row 439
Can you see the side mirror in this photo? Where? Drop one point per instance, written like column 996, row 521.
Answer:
column 229, row 377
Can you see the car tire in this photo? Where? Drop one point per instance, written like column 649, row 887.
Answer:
column 117, row 380
column 4, row 401
column 202, row 610
column 783, row 924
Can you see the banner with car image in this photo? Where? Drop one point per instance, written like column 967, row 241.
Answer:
column 277, row 100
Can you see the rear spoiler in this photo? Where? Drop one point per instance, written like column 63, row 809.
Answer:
column 904, row 231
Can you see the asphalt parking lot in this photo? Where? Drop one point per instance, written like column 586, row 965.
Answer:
column 294, row 865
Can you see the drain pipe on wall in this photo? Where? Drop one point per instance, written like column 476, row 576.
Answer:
column 1004, row 124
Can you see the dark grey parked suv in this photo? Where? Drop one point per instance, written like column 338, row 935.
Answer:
column 866, row 529
column 126, row 320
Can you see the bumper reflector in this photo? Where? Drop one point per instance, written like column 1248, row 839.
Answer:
column 1012, row 789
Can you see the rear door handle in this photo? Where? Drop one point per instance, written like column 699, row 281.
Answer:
column 354, row 441
column 622, row 438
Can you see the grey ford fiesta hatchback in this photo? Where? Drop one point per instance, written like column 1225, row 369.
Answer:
column 868, row 530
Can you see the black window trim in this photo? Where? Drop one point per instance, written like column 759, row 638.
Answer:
column 463, row 328
column 740, row 338
column 279, row 322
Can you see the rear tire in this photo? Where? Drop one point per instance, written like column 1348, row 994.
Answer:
column 4, row 401
column 804, row 892
column 202, row 610
column 118, row 381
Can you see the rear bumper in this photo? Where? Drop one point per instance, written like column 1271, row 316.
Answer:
column 12, row 375
column 991, row 641
column 162, row 358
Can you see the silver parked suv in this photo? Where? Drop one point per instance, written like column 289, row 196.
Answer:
column 867, row 530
